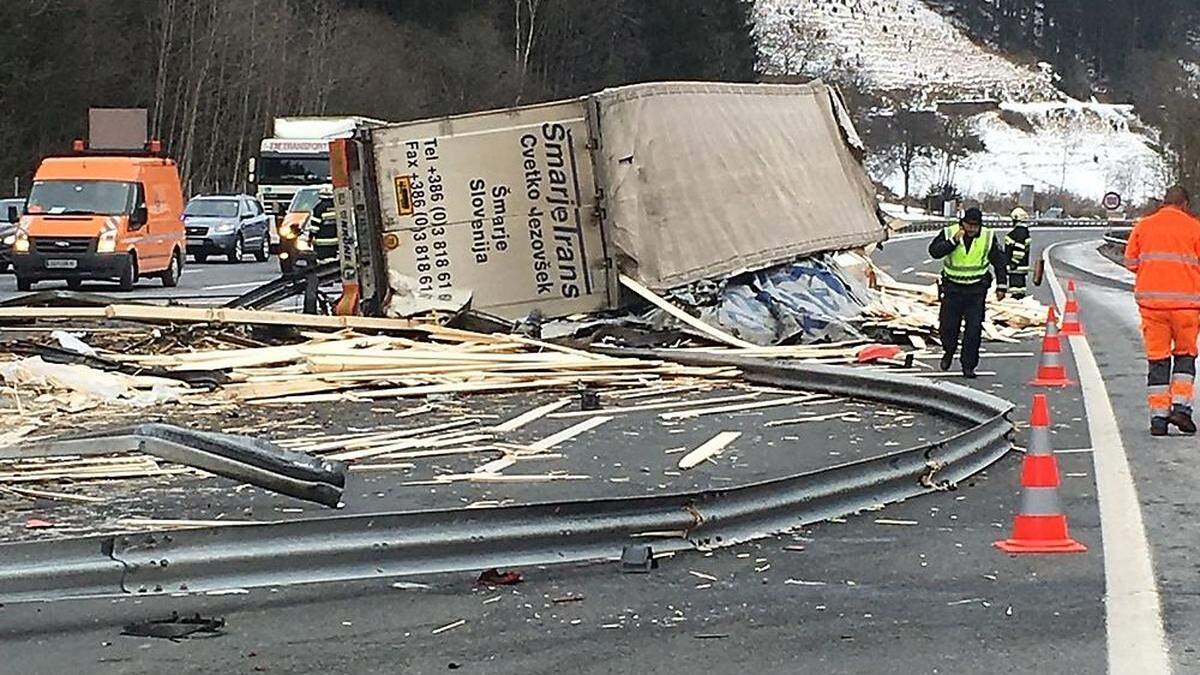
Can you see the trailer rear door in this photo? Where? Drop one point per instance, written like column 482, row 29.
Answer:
column 501, row 204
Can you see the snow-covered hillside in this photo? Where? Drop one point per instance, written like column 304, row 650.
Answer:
column 893, row 45
column 1038, row 135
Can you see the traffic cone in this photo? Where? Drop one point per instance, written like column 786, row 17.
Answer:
column 1071, row 325
column 1051, row 372
column 1040, row 526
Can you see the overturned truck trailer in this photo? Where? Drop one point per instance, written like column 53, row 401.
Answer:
column 543, row 206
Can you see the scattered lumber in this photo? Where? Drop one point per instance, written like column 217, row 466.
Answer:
column 912, row 309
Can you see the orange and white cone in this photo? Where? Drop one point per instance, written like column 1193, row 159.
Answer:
column 1070, row 324
column 1051, row 372
column 1040, row 526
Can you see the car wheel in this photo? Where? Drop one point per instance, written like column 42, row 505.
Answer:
column 24, row 284
column 264, row 249
column 200, row 258
column 3, row 267
column 170, row 276
column 239, row 249
column 75, row 284
column 129, row 274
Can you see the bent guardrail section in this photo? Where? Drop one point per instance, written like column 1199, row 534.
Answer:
column 393, row 544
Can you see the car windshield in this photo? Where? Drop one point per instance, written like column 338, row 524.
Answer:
column 293, row 170
column 305, row 200
column 81, row 197
column 212, row 208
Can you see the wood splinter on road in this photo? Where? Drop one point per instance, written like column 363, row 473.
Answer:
column 449, row 626
column 712, row 446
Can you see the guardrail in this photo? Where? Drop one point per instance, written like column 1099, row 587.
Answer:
column 1005, row 224
column 392, row 544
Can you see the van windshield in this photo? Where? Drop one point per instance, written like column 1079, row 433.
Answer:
column 80, row 197
column 305, row 201
column 212, row 208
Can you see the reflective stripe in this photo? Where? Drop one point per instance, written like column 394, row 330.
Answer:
column 1166, row 295
column 1165, row 257
column 1039, row 442
column 1051, row 358
column 1040, row 501
column 1131, row 263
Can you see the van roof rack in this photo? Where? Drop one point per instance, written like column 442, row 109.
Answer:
column 152, row 148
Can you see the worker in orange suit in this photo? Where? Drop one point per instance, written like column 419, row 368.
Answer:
column 1164, row 252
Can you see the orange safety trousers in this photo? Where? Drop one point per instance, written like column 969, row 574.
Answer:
column 1170, row 339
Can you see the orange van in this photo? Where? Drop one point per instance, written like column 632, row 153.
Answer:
column 101, row 218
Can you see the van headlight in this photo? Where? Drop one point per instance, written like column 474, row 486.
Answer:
column 21, row 241
column 108, row 239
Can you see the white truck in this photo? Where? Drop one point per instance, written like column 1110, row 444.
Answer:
column 297, row 156
column 543, row 207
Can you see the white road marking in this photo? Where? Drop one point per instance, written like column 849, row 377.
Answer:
column 1137, row 642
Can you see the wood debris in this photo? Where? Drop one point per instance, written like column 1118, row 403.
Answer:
column 712, row 446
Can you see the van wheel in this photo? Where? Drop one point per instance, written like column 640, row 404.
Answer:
column 24, row 284
column 170, row 276
column 74, row 284
column 264, row 249
column 239, row 250
column 129, row 274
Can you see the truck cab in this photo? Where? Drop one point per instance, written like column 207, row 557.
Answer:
column 101, row 218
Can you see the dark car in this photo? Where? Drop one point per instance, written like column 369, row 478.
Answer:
column 228, row 225
column 10, row 215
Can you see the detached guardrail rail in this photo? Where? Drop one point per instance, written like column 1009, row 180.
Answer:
column 393, row 544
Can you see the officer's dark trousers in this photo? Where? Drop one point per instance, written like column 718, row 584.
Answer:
column 959, row 307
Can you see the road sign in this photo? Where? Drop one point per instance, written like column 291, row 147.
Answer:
column 1112, row 201
column 1025, row 200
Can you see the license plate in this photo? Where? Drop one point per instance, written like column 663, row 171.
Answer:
column 195, row 242
column 62, row 264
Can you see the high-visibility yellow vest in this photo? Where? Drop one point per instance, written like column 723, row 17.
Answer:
column 967, row 267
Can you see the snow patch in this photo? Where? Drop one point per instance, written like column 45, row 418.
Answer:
column 890, row 45
column 1038, row 136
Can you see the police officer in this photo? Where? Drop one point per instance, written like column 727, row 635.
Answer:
column 1016, row 244
column 967, row 250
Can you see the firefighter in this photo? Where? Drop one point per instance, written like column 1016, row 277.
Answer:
column 967, row 251
column 1164, row 252
column 324, row 226
column 1016, row 244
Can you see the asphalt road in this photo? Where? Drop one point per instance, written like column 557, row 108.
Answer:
column 915, row 587
column 214, row 282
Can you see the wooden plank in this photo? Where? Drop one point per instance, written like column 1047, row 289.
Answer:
column 544, row 444
column 530, row 416
column 789, row 400
column 813, row 418
column 390, row 449
column 654, row 299
column 569, row 433
column 712, row 446
column 658, row 406
column 383, row 437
